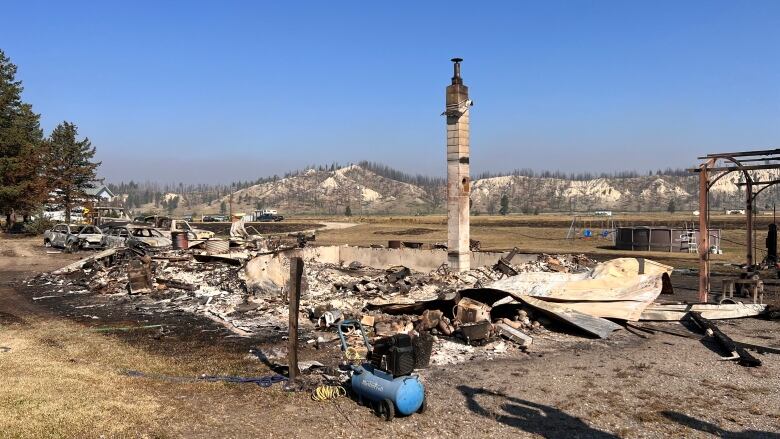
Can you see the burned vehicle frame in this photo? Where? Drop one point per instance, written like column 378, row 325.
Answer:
column 74, row 237
column 139, row 237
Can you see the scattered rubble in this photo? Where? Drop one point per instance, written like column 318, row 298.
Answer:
column 479, row 313
column 215, row 286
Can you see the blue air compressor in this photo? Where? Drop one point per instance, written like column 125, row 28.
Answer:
column 385, row 379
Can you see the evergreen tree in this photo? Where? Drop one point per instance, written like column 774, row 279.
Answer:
column 348, row 211
column 504, row 205
column 672, row 207
column 22, row 189
column 69, row 167
column 222, row 207
column 173, row 204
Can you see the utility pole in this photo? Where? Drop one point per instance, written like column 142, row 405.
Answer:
column 230, row 201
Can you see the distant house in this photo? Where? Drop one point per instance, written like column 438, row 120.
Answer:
column 100, row 193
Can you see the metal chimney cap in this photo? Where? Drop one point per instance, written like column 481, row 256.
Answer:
column 456, row 79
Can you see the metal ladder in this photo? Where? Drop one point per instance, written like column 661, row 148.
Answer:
column 690, row 238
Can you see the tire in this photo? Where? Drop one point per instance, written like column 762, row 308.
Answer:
column 387, row 409
column 46, row 243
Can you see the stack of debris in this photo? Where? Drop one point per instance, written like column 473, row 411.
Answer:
column 484, row 311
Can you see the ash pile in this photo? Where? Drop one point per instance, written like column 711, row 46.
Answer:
column 456, row 316
column 440, row 304
column 550, row 302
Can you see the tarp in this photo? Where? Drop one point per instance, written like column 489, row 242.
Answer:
column 620, row 288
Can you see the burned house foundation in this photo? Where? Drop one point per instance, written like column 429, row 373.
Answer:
column 271, row 270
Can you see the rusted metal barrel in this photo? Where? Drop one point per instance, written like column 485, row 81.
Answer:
column 180, row 240
column 217, row 246
column 394, row 244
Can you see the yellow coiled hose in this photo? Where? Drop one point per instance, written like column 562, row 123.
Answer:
column 352, row 354
column 327, row 393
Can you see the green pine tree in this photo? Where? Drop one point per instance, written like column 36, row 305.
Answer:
column 22, row 189
column 504, row 205
column 69, row 166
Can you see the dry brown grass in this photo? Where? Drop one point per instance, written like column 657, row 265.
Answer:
column 623, row 219
column 495, row 235
column 60, row 380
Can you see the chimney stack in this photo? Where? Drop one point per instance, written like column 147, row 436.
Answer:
column 458, row 180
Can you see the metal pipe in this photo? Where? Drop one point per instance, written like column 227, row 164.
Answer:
column 456, row 79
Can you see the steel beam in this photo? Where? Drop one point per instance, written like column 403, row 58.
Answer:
column 740, row 168
column 749, row 223
column 741, row 153
column 704, row 232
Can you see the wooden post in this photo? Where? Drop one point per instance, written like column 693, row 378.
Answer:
column 296, row 272
column 749, row 222
column 736, row 351
column 704, row 233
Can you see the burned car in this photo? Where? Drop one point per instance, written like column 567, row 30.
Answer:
column 74, row 237
column 192, row 232
column 269, row 217
column 167, row 225
column 140, row 237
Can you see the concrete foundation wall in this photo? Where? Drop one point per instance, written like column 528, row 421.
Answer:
column 271, row 272
column 416, row 259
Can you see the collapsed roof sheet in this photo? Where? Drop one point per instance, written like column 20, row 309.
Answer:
column 620, row 288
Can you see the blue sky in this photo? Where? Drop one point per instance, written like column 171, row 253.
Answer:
column 221, row 91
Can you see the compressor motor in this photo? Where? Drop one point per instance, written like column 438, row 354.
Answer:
column 395, row 355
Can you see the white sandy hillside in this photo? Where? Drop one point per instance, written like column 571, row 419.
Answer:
column 660, row 187
column 318, row 189
column 599, row 189
column 728, row 184
column 330, row 191
column 170, row 196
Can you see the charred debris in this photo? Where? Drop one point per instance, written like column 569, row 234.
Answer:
column 453, row 306
column 490, row 311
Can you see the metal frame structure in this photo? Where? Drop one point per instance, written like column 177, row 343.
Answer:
column 741, row 161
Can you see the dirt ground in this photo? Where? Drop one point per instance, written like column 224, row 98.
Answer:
column 64, row 375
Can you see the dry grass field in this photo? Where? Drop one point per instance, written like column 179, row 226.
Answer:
column 64, row 376
column 541, row 233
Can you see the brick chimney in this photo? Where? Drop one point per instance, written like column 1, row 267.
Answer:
column 458, row 180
